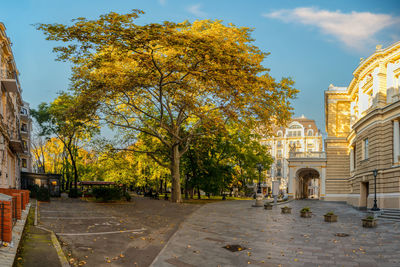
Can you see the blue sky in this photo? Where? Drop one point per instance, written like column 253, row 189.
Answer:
column 314, row 42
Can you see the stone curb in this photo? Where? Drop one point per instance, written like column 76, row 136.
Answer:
column 281, row 203
column 57, row 246
column 7, row 254
column 173, row 236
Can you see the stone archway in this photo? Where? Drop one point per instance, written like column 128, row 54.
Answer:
column 307, row 178
column 308, row 184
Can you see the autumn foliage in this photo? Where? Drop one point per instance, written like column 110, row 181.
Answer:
column 171, row 82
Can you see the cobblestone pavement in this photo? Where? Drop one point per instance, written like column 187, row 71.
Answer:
column 275, row 239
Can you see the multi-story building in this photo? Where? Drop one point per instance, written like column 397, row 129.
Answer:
column 12, row 148
column 26, row 128
column 301, row 135
column 362, row 123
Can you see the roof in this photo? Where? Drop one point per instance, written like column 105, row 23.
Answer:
column 304, row 121
column 96, row 183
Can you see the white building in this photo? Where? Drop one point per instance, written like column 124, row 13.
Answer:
column 301, row 135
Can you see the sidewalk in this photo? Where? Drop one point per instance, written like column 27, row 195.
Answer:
column 36, row 248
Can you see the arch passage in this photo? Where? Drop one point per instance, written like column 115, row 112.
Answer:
column 307, row 184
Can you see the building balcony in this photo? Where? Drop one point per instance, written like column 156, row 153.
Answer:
column 307, row 155
column 9, row 80
column 24, row 117
column 24, row 134
column 17, row 146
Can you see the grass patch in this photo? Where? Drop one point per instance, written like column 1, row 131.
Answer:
column 19, row 259
column 212, row 199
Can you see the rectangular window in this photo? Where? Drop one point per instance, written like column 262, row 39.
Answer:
column 279, row 143
column 24, row 163
column 355, row 156
column 352, row 158
column 365, row 148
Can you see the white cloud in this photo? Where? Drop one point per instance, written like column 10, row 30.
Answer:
column 195, row 10
column 355, row 29
column 162, row 2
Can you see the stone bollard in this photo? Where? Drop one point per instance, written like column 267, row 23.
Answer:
column 259, row 201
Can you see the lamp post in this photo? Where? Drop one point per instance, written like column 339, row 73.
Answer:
column 259, row 167
column 375, row 207
column 259, row 196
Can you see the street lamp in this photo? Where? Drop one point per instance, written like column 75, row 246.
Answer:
column 375, row 207
column 259, row 196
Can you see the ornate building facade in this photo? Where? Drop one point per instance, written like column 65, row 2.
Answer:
column 12, row 147
column 301, row 136
column 362, row 124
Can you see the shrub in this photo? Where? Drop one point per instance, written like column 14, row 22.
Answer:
column 330, row 213
column 106, row 194
column 370, row 217
column 33, row 190
column 74, row 193
column 305, row 209
column 128, row 196
column 43, row 194
column 285, row 207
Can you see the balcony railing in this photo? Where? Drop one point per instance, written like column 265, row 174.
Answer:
column 307, row 155
column 10, row 80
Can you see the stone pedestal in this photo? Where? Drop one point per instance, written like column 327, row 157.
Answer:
column 259, row 201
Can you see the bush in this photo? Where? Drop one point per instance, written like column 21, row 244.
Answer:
column 330, row 213
column 33, row 190
column 370, row 218
column 305, row 209
column 43, row 194
column 74, row 193
column 128, row 196
column 106, row 194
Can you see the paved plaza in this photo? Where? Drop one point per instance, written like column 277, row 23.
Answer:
column 112, row 234
column 270, row 238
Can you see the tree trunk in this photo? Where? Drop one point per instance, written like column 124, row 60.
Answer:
column 73, row 163
column 161, row 186
column 198, row 192
column 186, row 187
column 176, row 178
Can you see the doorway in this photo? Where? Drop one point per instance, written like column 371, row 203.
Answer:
column 364, row 192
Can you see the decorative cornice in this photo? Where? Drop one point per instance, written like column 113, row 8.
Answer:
column 372, row 59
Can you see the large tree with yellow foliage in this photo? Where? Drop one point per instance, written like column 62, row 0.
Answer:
column 169, row 80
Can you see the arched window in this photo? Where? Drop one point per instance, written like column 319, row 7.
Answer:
column 310, row 132
column 279, row 133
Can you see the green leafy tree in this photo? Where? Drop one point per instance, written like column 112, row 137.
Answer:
column 69, row 122
column 169, row 80
column 217, row 162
